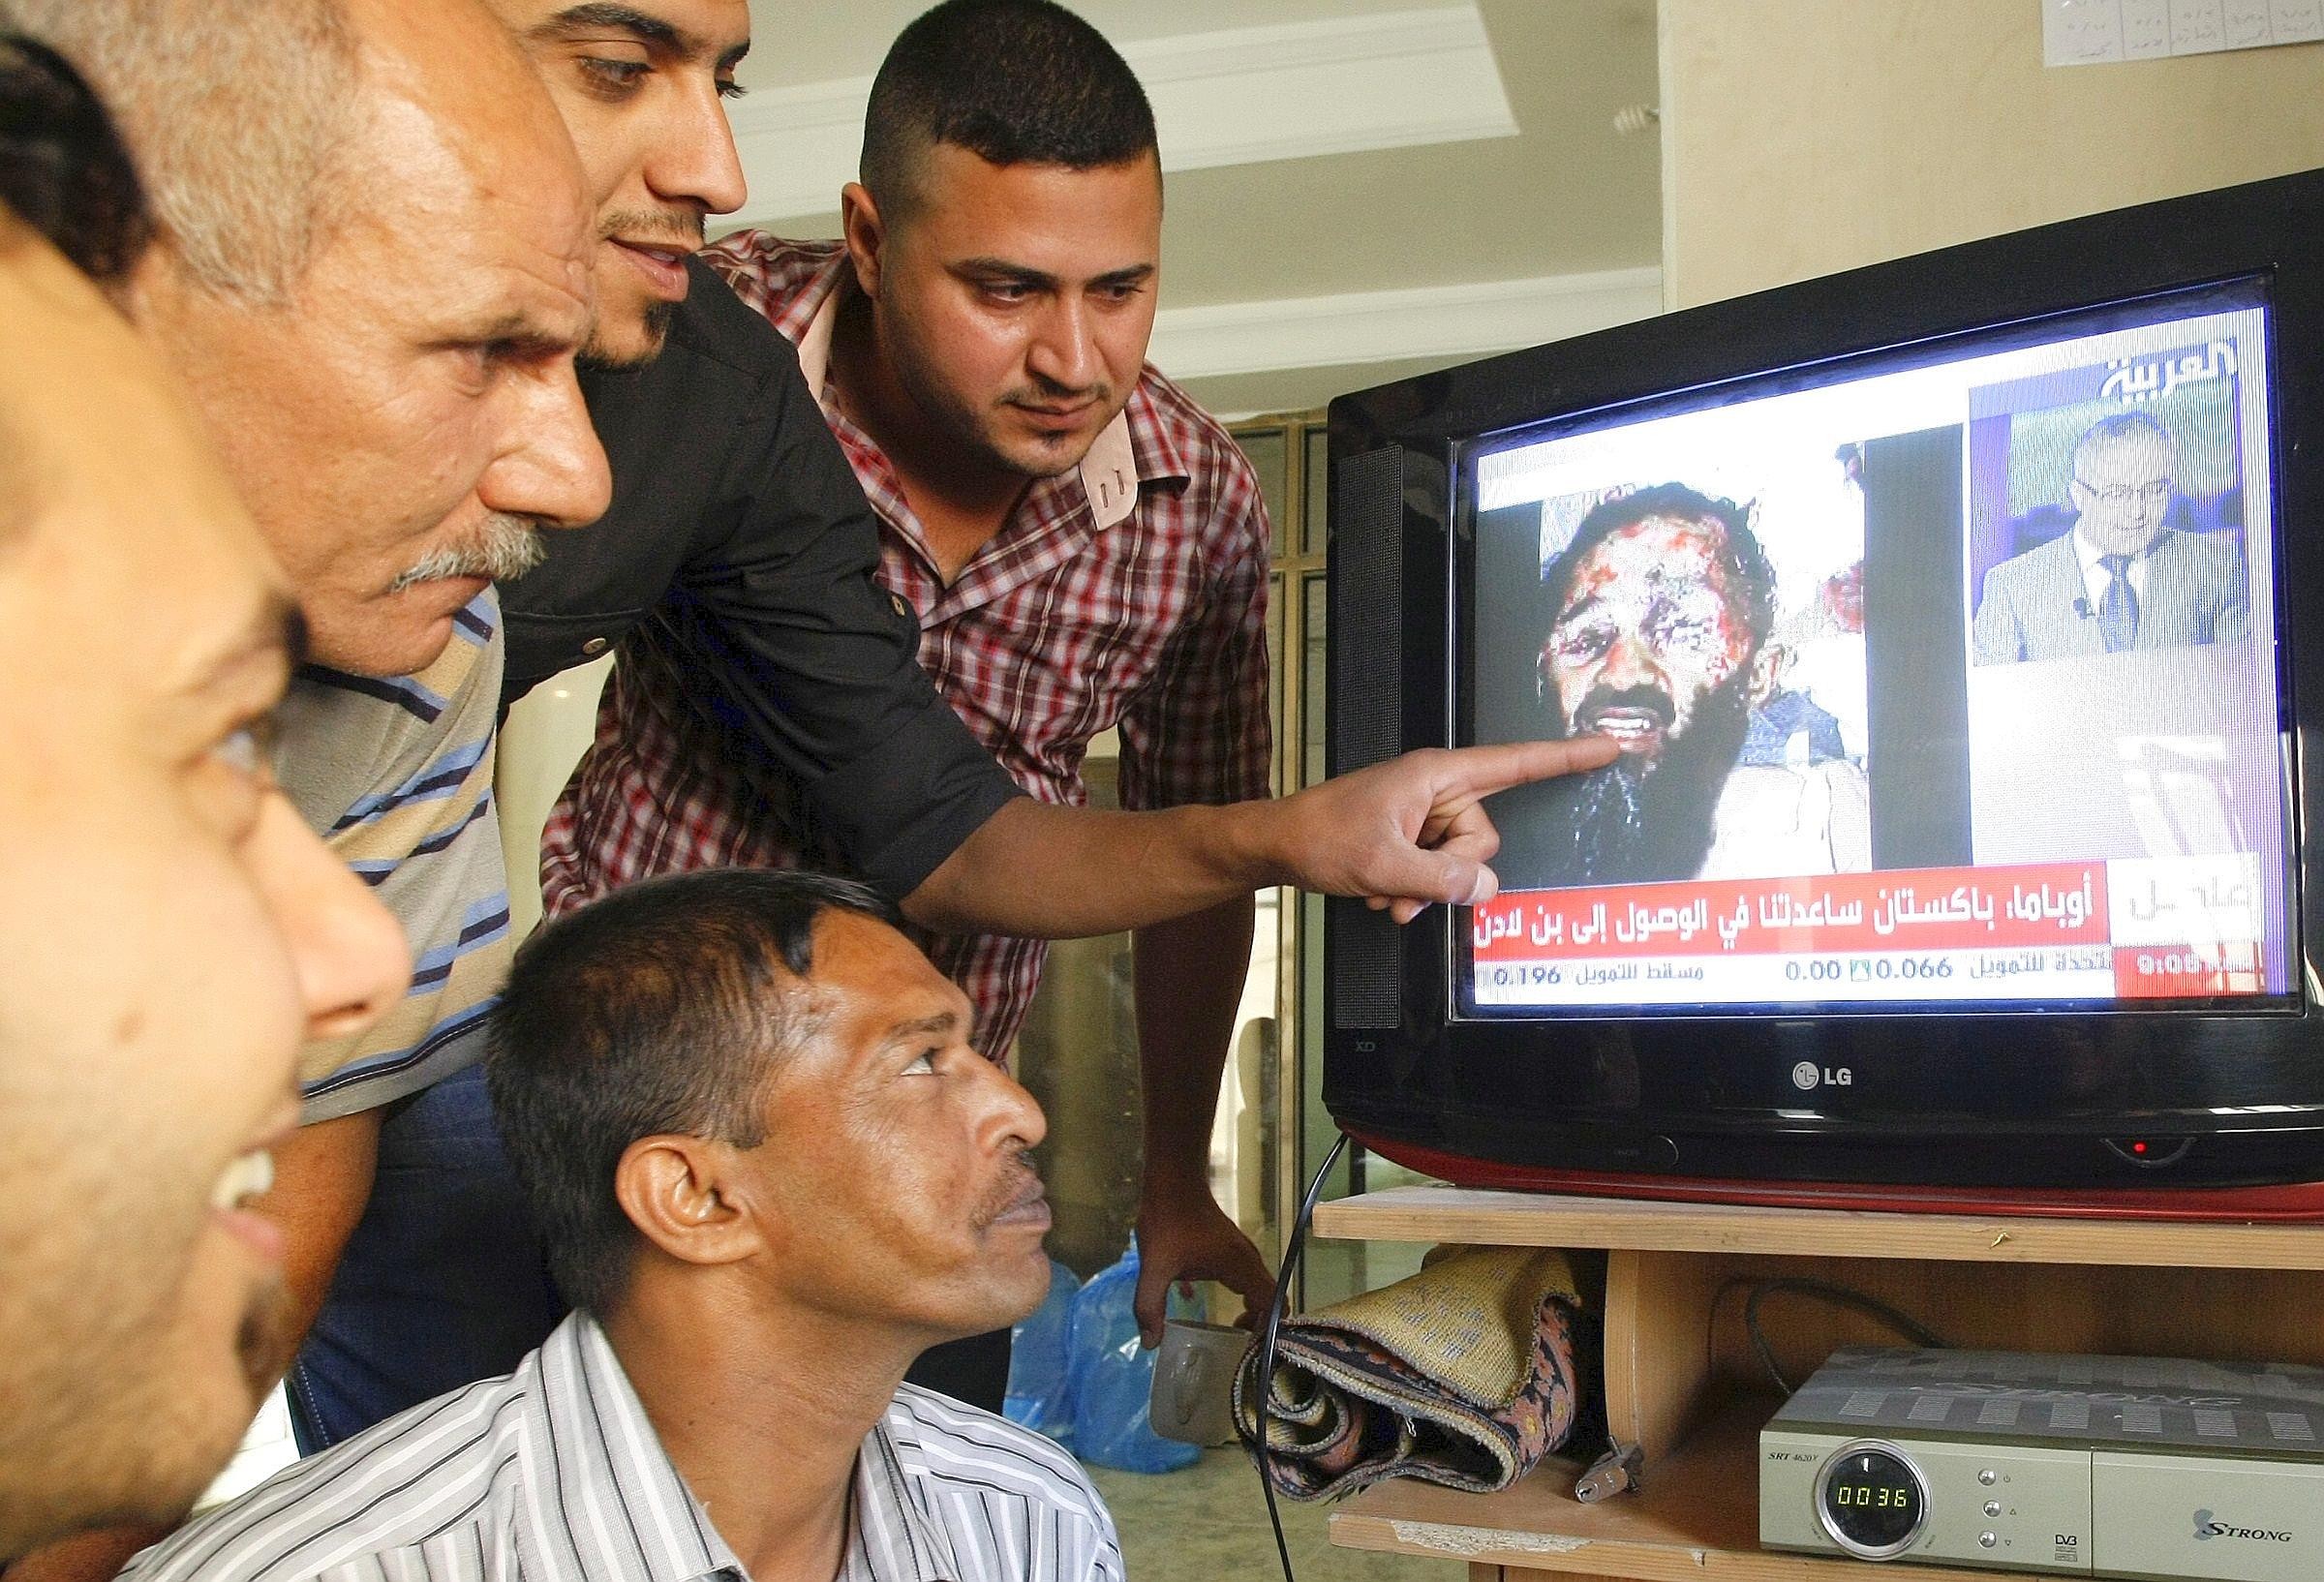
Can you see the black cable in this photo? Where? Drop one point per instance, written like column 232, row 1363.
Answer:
column 1838, row 1295
column 1295, row 1249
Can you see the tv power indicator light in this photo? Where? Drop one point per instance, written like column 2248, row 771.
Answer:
column 2149, row 1152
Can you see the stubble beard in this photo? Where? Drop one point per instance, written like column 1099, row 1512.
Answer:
column 680, row 227
column 600, row 357
column 127, row 1442
column 971, row 431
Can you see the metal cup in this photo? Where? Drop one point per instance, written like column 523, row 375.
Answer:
column 1194, row 1377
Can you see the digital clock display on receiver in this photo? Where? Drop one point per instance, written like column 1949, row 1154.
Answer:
column 2099, row 1465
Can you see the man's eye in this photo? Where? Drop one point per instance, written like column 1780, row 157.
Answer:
column 1580, row 646
column 482, row 364
column 923, row 1066
column 616, row 75
column 237, row 777
column 1008, row 291
column 249, row 750
column 1680, row 631
column 470, row 365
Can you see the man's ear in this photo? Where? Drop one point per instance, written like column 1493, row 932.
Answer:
column 154, row 291
column 1767, row 667
column 863, row 233
column 135, row 292
column 679, row 1192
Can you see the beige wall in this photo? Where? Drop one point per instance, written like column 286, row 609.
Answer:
column 1805, row 137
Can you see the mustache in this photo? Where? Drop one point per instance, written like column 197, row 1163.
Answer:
column 676, row 225
column 1046, row 394
column 1647, row 700
column 501, row 547
column 1019, row 1184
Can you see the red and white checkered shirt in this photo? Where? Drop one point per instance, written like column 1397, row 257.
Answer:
column 1131, row 592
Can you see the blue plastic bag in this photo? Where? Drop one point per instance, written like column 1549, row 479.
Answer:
column 1040, row 1395
column 1111, row 1379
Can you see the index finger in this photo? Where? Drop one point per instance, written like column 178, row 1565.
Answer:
column 1487, row 770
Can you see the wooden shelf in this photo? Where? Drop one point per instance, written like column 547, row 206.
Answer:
column 1695, row 1519
column 1518, row 1219
column 1675, row 1351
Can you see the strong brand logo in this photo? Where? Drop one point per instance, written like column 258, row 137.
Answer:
column 2207, row 1528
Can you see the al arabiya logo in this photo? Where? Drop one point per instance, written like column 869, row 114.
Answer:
column 2206, row 1528
column 1805, row 1076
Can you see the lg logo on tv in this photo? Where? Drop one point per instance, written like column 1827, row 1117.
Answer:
column 2206, row 1530
column 1808, row 1075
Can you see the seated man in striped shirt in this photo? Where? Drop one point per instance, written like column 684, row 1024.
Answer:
column 769, row 1171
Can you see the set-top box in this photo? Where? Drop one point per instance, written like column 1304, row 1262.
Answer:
column 2106, row 1466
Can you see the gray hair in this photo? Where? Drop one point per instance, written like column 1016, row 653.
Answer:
column 237, row 112
column 2120, row 428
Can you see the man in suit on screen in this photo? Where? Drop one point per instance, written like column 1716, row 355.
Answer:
column 2120, row 579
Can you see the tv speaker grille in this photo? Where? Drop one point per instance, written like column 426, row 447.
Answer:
column 1367, row 707
column 1367, row 603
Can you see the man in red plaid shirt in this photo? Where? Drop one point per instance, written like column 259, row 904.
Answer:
column 1084, row 548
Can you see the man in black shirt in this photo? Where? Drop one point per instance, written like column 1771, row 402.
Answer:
column 736, row 520
column 737, row 525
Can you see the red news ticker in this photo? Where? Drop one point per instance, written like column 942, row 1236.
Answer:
column 1953, row 908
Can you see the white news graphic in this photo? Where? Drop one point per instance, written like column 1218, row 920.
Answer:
column 2124, row 929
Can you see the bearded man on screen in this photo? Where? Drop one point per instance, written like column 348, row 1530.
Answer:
column 1658, row 619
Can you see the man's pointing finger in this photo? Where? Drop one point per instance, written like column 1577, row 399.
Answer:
column 1485, row 770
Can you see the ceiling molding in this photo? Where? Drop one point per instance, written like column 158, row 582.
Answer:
column 1381, row 326
column 1295, row 90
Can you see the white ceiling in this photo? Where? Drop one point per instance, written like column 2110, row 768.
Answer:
column 1341, row 269
column 1240, row 96
column 812, row 40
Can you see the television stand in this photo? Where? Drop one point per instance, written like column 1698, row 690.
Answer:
column 1682, row 1382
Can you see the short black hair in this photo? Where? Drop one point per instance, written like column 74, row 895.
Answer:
column 64, row 169
column 1748, row 571
column 1013, row 81
column 660, row 1009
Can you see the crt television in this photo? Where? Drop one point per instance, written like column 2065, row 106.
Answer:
column 1961, row 621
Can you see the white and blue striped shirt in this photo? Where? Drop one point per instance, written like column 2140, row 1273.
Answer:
column 554, row 1475
column 395, row 774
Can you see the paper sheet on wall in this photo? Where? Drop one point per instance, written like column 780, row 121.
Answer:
column 2093, row 32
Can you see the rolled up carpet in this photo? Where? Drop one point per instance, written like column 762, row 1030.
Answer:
column 1463, row 1375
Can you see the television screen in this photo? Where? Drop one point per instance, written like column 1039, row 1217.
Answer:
column 1946, row 677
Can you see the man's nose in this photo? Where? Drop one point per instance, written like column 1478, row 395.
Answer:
column 1063, row 353
column 552, row 469
column 1630, row 663
column 695, row 160
column 1009, row 1114
column 347, row 949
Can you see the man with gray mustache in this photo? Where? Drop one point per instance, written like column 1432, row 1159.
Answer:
column 504, row 547
column 372, row 278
